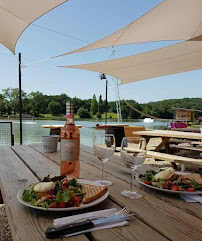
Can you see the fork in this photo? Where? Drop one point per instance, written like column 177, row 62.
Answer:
column 124, row 210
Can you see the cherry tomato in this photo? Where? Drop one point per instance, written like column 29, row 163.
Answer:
column 62, row 205
column 185, row 178
column 53, row 205
column 147, row 182
column 174, row 188
column 190, row 189
column 64, row 187
column 76, row 200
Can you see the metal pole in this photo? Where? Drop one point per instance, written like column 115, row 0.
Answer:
column 106, row 105
column 20, row 99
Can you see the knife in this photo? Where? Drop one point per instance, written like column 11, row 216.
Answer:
column 81, row 226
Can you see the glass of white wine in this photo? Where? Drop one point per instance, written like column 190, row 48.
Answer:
column 133, row 154
column 104, row 147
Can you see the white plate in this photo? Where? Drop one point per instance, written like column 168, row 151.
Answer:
column 166, row 190
column 82, row 181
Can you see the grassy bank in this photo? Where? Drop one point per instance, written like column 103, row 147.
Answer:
column 62, row 117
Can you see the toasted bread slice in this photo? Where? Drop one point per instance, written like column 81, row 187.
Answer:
column 197, row 177
column 92, row 192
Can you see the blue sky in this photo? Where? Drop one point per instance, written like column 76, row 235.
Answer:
column 87, row 20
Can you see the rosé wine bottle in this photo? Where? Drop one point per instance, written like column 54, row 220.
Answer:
column 70, row 145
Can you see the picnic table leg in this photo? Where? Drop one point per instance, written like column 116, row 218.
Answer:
column 183, row 168
column 165, row 143
column 173, row 165
column 147, row 138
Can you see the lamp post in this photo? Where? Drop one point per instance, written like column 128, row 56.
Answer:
column 20, row 99
column 102, row 76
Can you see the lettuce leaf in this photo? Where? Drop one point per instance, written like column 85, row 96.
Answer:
column 63, row 195
column 29, row 195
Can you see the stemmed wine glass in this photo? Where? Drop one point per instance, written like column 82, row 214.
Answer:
column 104, row 147
column 133, row 154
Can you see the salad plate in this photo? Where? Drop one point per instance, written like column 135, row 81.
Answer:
column 82, row 206
column 138, row 178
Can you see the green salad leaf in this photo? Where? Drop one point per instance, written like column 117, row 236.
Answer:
column 29, row 195
column 194, row 184
column 63, row 195
column 149, row 176
column 73, row 182
column 47, row 179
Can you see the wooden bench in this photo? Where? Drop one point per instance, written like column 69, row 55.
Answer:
column 196, row 143
column 178, row 159
column 187, row 148
column 178, row 141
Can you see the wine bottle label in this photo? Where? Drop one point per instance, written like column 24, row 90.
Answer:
column 69, row 150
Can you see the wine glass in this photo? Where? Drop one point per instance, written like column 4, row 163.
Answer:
column 133, row 154
column 104, row 147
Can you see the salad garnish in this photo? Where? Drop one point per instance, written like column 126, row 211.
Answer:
column 56, row 192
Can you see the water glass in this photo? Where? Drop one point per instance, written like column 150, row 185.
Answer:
column 133, row 154
column 104, row 147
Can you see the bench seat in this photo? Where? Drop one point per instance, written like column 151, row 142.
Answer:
column 174, row 158
column 187, row 148
column 178, row 141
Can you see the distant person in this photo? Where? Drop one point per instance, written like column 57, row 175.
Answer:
column 97, row 126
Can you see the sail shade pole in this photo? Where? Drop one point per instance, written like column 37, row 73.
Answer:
column 20, row 99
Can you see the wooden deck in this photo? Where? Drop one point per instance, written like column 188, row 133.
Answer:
column 158, row 216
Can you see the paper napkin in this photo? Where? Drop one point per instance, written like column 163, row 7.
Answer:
column 191, row 198
column 103, row 213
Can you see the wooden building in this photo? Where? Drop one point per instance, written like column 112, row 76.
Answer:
column 182, row 114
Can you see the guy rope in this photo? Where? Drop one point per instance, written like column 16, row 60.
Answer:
column 144, row 114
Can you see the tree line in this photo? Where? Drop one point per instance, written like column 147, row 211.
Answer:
column 36, row 104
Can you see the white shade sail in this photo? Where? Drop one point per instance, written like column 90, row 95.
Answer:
column 170, row 20
column 181, row 57
column 17, row 15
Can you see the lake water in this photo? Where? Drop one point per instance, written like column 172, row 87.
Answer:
column 32, row 130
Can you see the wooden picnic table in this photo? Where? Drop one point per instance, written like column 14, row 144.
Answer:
column 166, row 135
column 57, row 126
column 55, row 129
column 112, row 125
column 188, row 129
column 158, row 216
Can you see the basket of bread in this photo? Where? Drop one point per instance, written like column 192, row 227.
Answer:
column 61, row 193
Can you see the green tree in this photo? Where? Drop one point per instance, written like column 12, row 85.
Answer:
column 98, row 115
column 12, row 95
column 2, row 105
column 62, row 99
column 54, row 108
column 83, row 113
column 39, row 103
column 129, row 113
column 100, row 105
column 94, row 105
